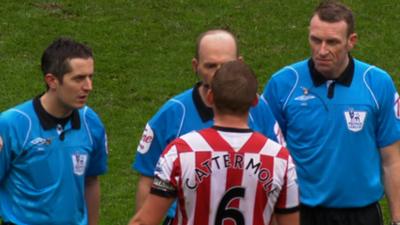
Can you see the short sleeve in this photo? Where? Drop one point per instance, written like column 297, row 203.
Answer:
column 288, row 199
column 388, row 120
column 158, row 133
column 166, row 173
column 99, row 153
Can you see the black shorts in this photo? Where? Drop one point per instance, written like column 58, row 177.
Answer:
column 368, row 215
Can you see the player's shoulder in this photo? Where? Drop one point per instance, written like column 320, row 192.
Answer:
column 372, row 77
column 91, row 120
column 180, row 144
column 261, row 107
column 192, row 141
column 20, row 115
column 271, row 147
column 290, row 72
column 89, row 113
column 174, row 107
column 370, row 72
column 288, row 77
column 180, row 100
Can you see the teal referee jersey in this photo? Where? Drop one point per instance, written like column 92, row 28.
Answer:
column 335, row 129
column 43, row 165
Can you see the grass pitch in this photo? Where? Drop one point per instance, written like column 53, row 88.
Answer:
column 143, row 52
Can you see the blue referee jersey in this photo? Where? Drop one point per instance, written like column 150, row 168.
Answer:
column 43, row 165
column 184, row 113
column 334, row 130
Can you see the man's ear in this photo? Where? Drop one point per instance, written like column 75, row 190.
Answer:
column 352, row 41
column 195, row 63
column 209, row 98
column 255, row 101
column 51, row 81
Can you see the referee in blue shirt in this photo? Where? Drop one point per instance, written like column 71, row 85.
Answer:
column 340, row 117
column 53, row 147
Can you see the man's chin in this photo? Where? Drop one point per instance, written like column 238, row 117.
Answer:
column 79, row 105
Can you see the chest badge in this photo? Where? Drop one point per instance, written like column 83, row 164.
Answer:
column 79, row 162
column 305, row 96
column 355, row 119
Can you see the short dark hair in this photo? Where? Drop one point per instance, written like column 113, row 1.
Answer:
column 56, row 57
column 214, row 31
column 334, row 11
column 234, row 87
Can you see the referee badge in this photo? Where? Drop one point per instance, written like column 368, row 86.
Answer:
column 1, row 143
column 79, row 163
column 355, row 119
column 397, row 105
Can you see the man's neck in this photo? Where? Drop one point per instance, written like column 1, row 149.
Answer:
column 232, row 121
column 54, row 107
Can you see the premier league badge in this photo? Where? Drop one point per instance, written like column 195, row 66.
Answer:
column 355, row 119
column 79, row 162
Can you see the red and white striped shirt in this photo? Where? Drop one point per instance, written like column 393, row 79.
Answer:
column 221, row 177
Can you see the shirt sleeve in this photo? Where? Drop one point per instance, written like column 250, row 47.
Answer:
column 270, row 95
column 158, row 133
column 388, row 121
column 288, row 199
column 272, row 124
column 99, row 154
column 166, row 181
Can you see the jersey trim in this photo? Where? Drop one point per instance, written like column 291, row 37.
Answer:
column 294, row 86
column 183, row 114
column 29, row 127
column 87, row 125
column 232, row 129
column 368, row 87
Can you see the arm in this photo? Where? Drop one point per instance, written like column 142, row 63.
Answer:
column 152, row 211
column 391, row 177
column 288, row 219
column 143, row 190
column 92, row 197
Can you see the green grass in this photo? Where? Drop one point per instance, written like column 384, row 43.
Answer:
column 143, row 51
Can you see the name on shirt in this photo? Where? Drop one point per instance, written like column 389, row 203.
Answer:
column 230, row 161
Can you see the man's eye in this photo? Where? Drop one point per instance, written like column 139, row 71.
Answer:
column 315, row 40
column 211, row 66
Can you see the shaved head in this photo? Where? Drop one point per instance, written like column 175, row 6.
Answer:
column 220, row 39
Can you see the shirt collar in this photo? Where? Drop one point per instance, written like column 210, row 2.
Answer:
column 345, row 78
column 206, row 113
column 48, row 121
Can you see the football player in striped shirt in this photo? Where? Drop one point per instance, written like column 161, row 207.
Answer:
column 226, row 174
column 187, row 111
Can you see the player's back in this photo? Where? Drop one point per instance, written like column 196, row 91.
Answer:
column 224, row 174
